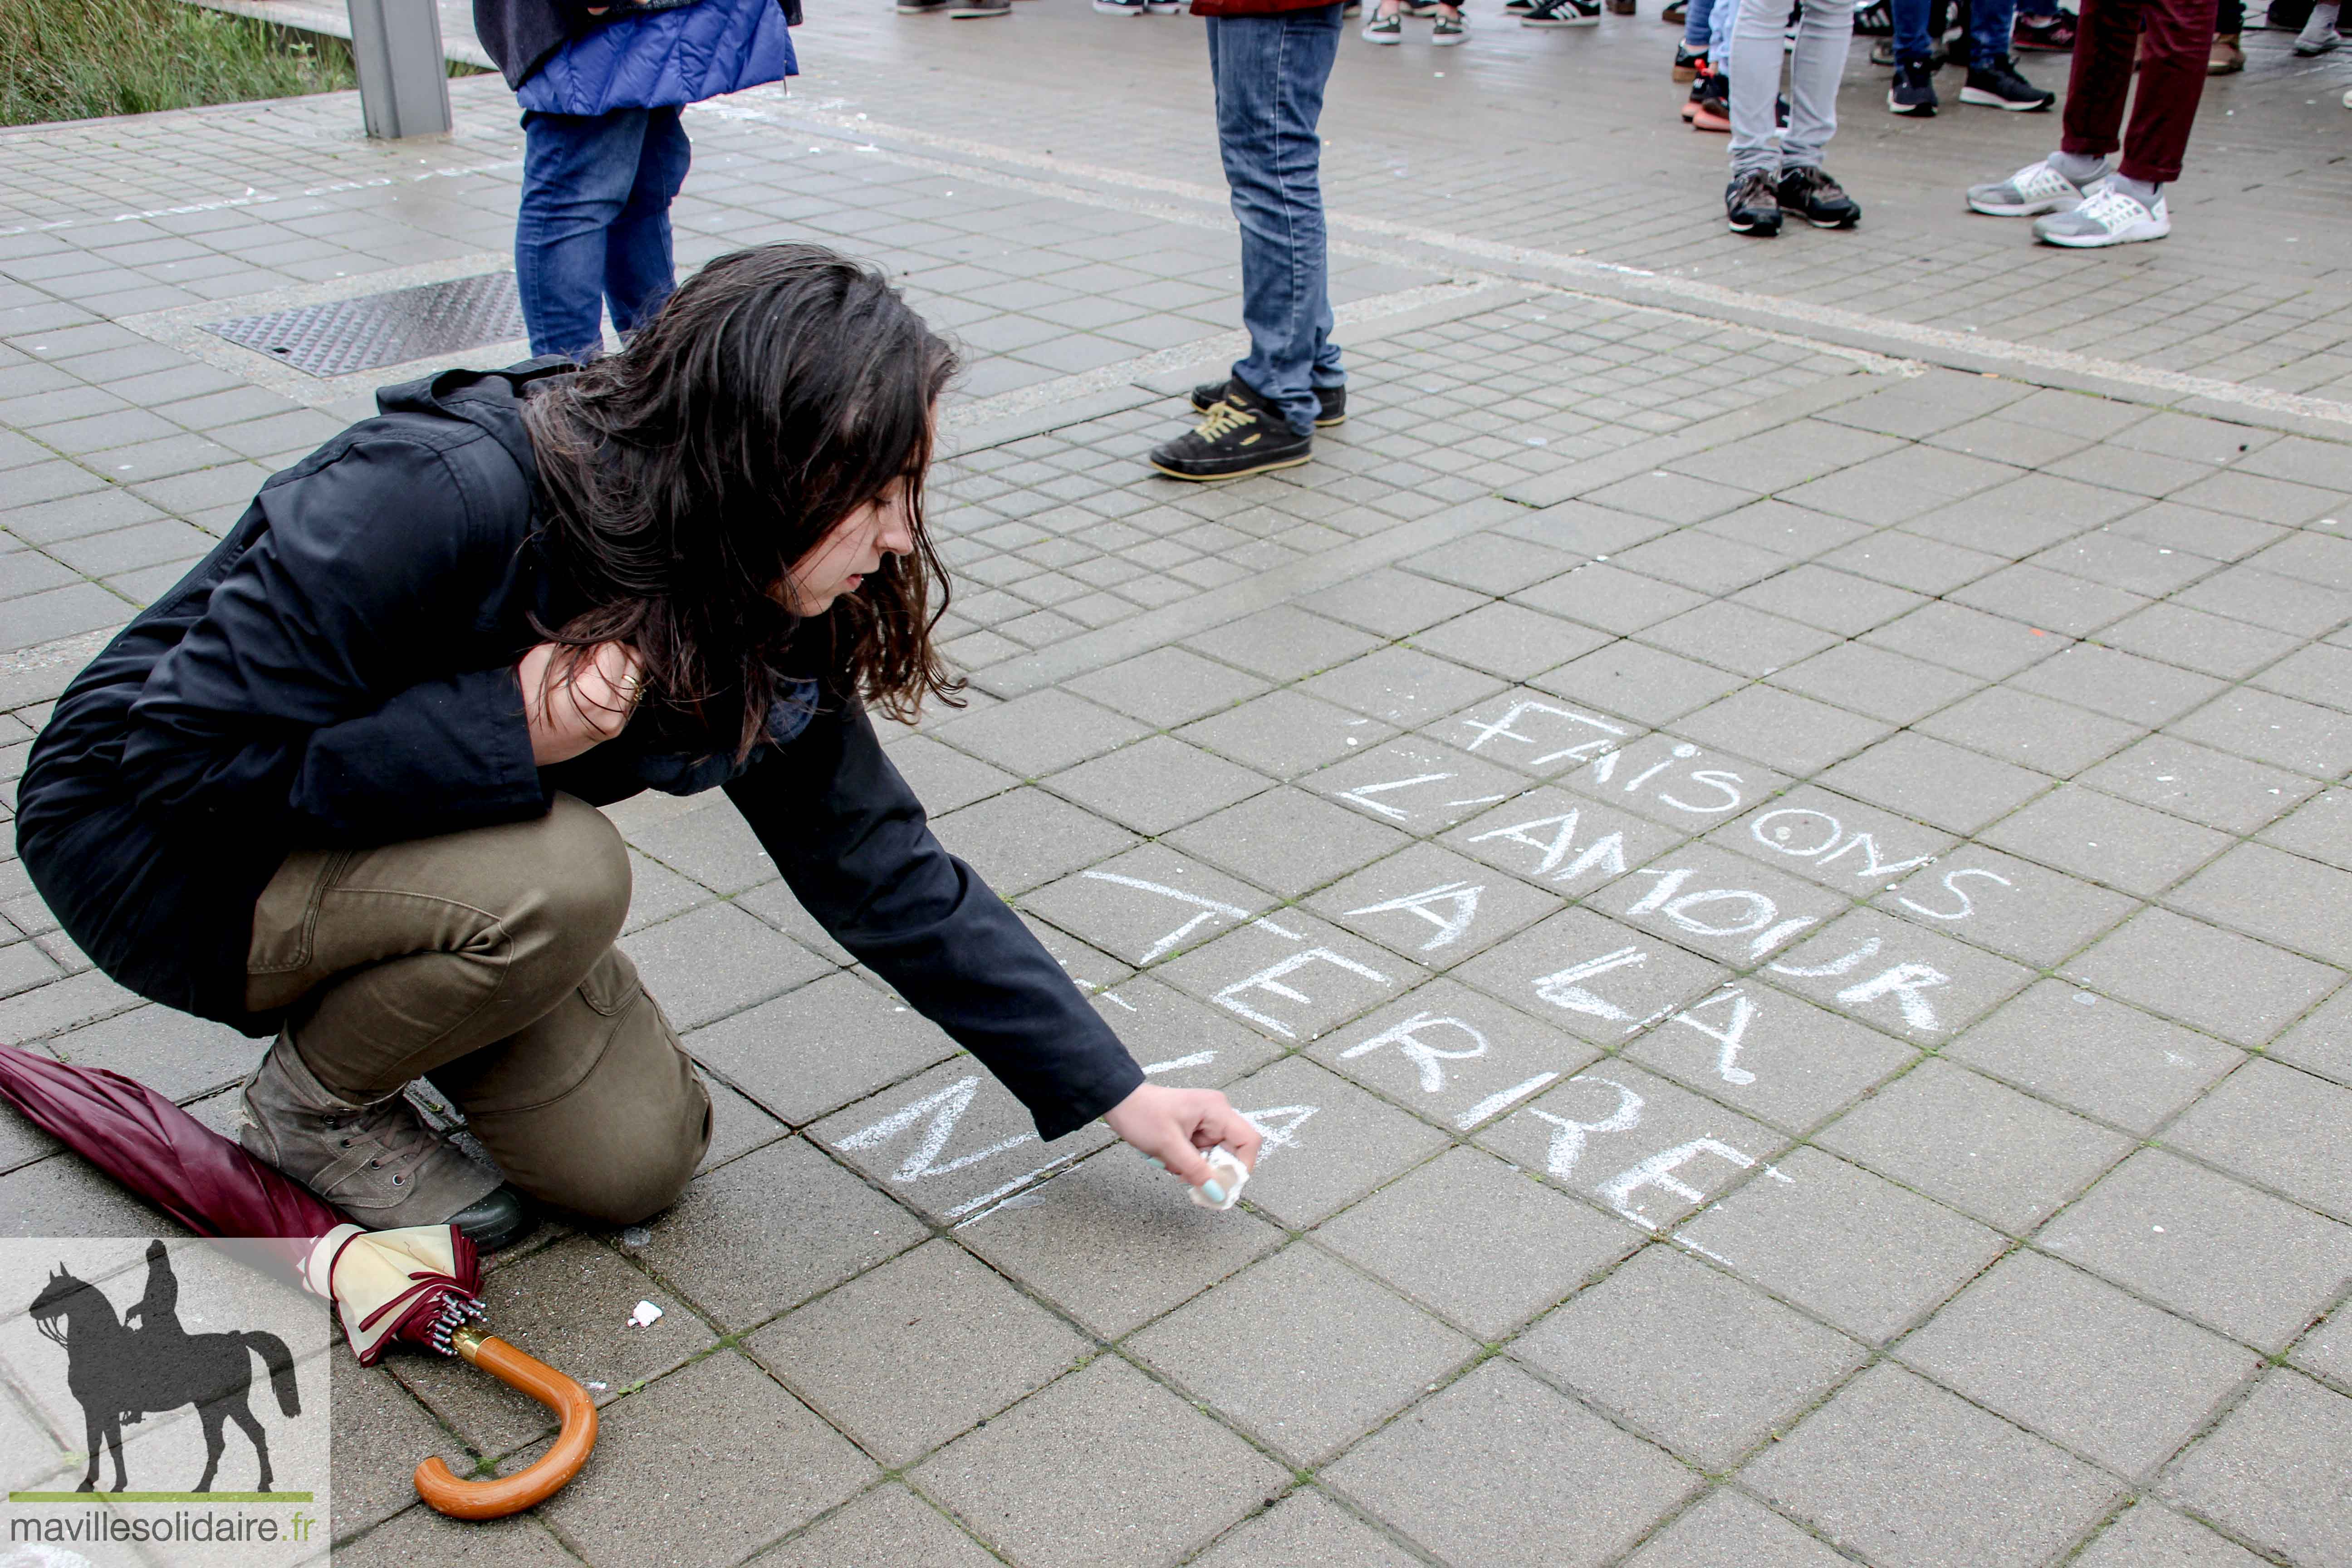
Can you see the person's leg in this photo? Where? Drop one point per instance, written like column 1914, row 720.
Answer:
column 578, row 171
column 2178, row 41
column 639, row 271
column 469, row 956
column 1270, row 74
column 2107, row 38
column 1912, row 40
column 1824, row 32
column 1720, row 25
column 1990, row 24
column 1755, row 89
column 1697, row 20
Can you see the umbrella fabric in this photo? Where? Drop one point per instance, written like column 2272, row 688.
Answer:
column 416, row 1283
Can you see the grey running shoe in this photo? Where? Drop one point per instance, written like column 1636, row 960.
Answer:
column 379, row 1163
column 2108, row 217
column 2034, row 190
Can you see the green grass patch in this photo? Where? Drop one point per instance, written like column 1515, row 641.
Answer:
column 77, row 60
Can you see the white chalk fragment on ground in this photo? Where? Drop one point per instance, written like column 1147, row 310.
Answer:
column 635, row 1236
column 646, row 1312
column 1226, row 1174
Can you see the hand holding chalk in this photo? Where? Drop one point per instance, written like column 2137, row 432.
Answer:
column 1223, row 1190
column 1194, row 1134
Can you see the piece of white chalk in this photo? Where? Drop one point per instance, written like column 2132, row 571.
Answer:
column 1226, row 1174
column 644, row 1315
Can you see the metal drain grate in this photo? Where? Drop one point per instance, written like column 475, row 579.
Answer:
column 405, row 324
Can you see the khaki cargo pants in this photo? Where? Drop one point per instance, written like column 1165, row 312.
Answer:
column 486, row 959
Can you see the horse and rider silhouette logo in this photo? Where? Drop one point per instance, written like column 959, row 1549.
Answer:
column 119, row 1374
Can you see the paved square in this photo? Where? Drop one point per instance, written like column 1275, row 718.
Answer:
column 1764, row 831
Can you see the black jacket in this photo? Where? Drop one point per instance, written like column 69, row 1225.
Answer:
column 339, row 671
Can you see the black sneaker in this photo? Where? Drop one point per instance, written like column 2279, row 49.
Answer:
column 1330, row 401
column 2001, row 86
column 1688, row 62
column 922, row 7
column 1810, row 193
column 1875, row 20
column 1562, row 13
column 1239, row 434
column 1751, row 206
column 1913, row 90
column 1519, row 6
column 1675, row 15
column 969, row 10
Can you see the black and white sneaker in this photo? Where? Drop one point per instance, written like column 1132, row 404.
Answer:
column 1123, row 7
column 1875, row 20
column 1388, row 29
column 1239, row 434
column 1330, row 401
column 1518, row 7
column 2001, row 86
column 922, row 7
column 1562, row 13
column 1449, row 29
column 1913, row 90
column 969, row 10
column 1752, row 207
column 1810, row 193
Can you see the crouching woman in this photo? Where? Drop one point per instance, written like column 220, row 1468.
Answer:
column 338, row 784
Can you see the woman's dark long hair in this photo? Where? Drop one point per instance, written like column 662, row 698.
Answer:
column 777, row 392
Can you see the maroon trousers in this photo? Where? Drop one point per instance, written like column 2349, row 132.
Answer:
column 2179, row 36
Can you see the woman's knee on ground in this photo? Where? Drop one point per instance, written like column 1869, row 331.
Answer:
column 574, row 901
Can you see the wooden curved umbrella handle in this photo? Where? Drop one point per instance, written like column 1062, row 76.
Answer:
column 543, row 1476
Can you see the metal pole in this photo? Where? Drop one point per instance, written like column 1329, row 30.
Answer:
column 403, row 79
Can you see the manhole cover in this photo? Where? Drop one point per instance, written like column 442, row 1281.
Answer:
column 395, row 328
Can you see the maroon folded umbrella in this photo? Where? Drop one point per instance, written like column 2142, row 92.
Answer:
column 419, row 1284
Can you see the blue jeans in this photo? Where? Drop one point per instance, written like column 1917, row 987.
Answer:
column 1697, row 18
column 1269, row 72
column 593, row 222
column 1990, row 24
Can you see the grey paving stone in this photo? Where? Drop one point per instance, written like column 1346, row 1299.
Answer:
column 2082, row 1364
column 1284, row 733
column 2095, row 1056
column 2320, row 829
column 1454, row 1056
column 1103, row 1467
column 1418, row 784
column 2283, row 603
column 1042, row 732
column 1432, row 906
column 718, row 1420
column 2326, row 1352
column 1818, row 595
column 1771, row 1054
column 2020, row 727
column 1608, row 598
column 2322, row 1042
column 771, row 1229
column 1644, row 684
column 2273, row 1472
column 1876, row 681
column 2198, row 640
column 1167, row 686
column 2202, row 785
column 711, row 844
column 419, row 1534
column 1526, row 1248
column 375, row 1416
column 1393, row 603
column 1114, row 1243
column 1591, row 976
column 1287, row 840
column 1328, row 1142
column 1987, row 1151
column 1920, row 985
column 1725, row 906
column 1909, row 560
column 2283, row 899
column 1302, row 1351
column 1148, row 903
column 2149, row 1535
column 1849, row 1247
column 2108, row 840
column 2121, row 685
column 168, row 1050
column 788, row 1054
column 906, row 1356
column 1939, row 783
column 1648, row 1151
column 2317, row 673
column 1027, row 837
column 1509, row 640
column 2272, row 729
column 570, row 1304
column 1738, row 637
column 1158, row 783
column 1284, row 643
column 1912, row 1477
column 2013, row 907
column 1796, row 733
column 1179, row 1039
column 1729, row 1527
column 1305, row 1529
column 1671, row 1346
column 1535, row 732
column 1403, row 685
column 1673, row 782
column 1986, row 645
column 1497, row 1472
column 2253, row 1266
column 2279, row 1127
column 718, row 959
column 1494, row 563
column 888, row 1524
column 2226, row 984
column 943, row 778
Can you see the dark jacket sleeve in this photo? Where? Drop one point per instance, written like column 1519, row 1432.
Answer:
column 314, row 698
column 851, row 840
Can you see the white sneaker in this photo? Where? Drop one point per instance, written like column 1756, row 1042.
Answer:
column 2034, row 190
column 2108, row 217
column 2318, row 34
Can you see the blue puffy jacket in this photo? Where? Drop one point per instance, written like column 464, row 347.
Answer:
column 675, row 56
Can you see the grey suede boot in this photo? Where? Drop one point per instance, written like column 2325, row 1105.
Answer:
column 379, row 1163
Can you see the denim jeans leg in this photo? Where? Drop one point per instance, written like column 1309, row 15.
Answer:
column 639, row 272
column 1269, row 72
column 1990, row 22
column 1699, row 18
column 577, row 172
column 1824, row 35
column 1912, row 39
